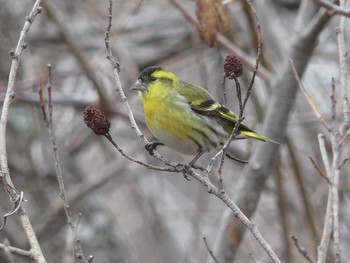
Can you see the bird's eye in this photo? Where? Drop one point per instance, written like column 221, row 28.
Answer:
column 153, row 78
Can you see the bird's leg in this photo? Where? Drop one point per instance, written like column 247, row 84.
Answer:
column 236, row 159
column 191, row 163
column 151, row 146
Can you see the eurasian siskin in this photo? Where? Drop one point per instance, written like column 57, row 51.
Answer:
column 183, row 116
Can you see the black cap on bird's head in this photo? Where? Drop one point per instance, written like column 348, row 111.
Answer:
column 144, row 78
column 147, row 72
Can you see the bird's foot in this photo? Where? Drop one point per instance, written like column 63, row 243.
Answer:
column 151, row 146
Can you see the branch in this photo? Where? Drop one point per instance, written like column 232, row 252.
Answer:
column 78, row 251
column 301, row 250
column 209, row 250
column 5, row 174
column 17, row 251
column 333, row 8
column 309, row 98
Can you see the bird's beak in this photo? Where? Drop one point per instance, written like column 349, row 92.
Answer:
column 138, row 85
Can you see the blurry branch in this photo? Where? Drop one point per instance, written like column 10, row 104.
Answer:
column 252, row 182
column 283, row 213
column 209, row 250
column 301, row 249
column 333, row 8
column 309, row 98
column 59, row 99
column 48, row 119
column 248, row 61
column 181, row 168
column 78, row 53
column 338, row 136
column 78, row 192
column 318, row 169
column 328, row 220
column 17, row 251
column 343, row 55
column 14, row 195
column 307, row 204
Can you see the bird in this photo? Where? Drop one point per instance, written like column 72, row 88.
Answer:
column 183, row 116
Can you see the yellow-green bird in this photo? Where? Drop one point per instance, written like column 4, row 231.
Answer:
column 183, row 116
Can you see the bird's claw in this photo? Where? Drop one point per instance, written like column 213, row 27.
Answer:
column 151, row 146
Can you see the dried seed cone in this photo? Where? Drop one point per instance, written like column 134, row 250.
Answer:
column 96, row 121
column 232, row 67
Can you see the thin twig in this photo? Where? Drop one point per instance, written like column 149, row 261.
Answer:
column 130, row 158
column 334, row 104
column 223, row 85
column 41, row 99
column 210, row 251
column 308, row 97
column 344, row 162
column 78, row 252
column 243, row 104
column 258, row 55
column 318, row 169
column 301, row 249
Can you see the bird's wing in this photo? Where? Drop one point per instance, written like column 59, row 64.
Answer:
column 203, row 103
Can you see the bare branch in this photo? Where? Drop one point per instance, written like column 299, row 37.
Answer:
column 318, row 169
column 78, row 252
column 210, row 251
column 333, row 8
column 10, row 94
column 301, row 249
column 17, row 251
column 308, row 97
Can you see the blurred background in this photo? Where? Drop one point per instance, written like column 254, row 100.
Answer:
column 130, row 213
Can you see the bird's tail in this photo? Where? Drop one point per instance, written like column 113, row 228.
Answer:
column 244, row 130
column 253, row 134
